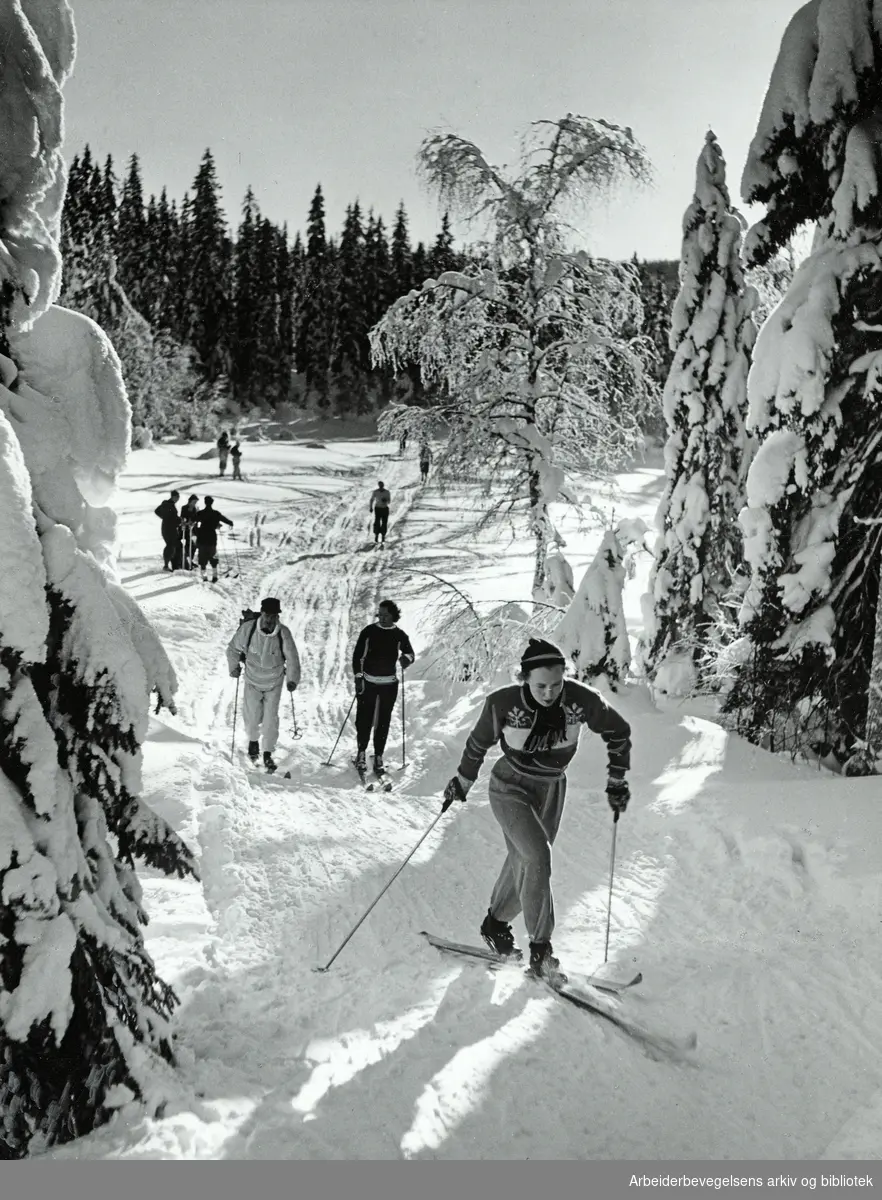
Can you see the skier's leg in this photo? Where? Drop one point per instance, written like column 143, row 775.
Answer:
column 364, row 716
column 514, row 806
column 387, row 694
column 252, row 710
column 270, row 731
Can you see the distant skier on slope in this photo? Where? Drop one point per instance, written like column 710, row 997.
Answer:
column 207, row 524
column 425, row 461
column 381, row 498
column 223, row 450
column 538, row 723
column 268, row 651
column 171, row 531
column 236, row 456
column 379, row 649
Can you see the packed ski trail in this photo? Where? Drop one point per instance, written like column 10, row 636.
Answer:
column 732, row 908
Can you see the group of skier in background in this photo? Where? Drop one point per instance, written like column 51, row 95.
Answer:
column 190, row 536
column 225, row 450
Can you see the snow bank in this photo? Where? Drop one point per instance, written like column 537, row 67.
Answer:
column 70, row 361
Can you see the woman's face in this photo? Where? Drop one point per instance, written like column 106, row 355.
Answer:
column 546, row 684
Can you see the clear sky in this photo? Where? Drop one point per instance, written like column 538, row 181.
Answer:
column 289, row 93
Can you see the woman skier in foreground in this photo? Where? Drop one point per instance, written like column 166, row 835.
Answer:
column 538, row 723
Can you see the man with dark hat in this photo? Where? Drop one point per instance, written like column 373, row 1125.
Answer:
column 537, row 722
column 268, row 652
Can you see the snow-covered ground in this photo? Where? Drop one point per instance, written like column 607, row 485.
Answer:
column 748, row 890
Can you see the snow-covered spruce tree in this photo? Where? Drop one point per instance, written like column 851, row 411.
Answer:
column 593, row 633
column 525, row 343
column 705, row 398
column 84, row 1019
column 815, row 389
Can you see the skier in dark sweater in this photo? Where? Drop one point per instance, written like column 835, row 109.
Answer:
column 171, row 531
column 207, row 524
column 378, row 651
column 189, row 520
column 379, row 506
column 537, row 723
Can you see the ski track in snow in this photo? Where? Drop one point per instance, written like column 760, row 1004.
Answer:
column 401, row 1052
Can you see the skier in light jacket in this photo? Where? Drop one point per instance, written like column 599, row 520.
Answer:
column 268, row 651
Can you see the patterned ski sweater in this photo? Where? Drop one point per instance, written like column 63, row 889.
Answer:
column 511, row 714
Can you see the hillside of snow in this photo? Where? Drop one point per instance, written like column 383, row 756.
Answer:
column 747, row 889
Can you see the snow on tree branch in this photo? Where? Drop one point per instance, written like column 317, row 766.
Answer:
column 814, row 155
column 712, row 336
column 535, row 351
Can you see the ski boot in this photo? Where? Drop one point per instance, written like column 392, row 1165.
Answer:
column 268, row 762
column 254, row 751
column 499, row 937
column 360, row 762
column 379, row 769
column 544, row 965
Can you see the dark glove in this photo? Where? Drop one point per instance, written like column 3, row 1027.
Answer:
column 359, row 684
column 292, row 686
column 452, row 792
column 618, row 794
column 405, row 661
column 235, row 673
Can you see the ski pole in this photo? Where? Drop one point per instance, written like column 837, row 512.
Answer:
column 403, row 759
column 612, row 867
column 382, row 894
column 339, row 735
column 297, row 732
column 235, row 708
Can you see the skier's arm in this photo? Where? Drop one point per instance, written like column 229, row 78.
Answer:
column 236, row 648
column 158, row 511
column 601, row 718
column 226, row 520
column 483, row 737
column 358, row 652
column 292, row 658
column 406, row 648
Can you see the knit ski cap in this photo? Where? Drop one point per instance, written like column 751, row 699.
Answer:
column 270, row 605
column 540, row 653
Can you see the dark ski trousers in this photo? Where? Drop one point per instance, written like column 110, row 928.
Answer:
column 207, row 553
column 374, row 709
column 529, row 812
column 171, row 551
column 381, row 522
